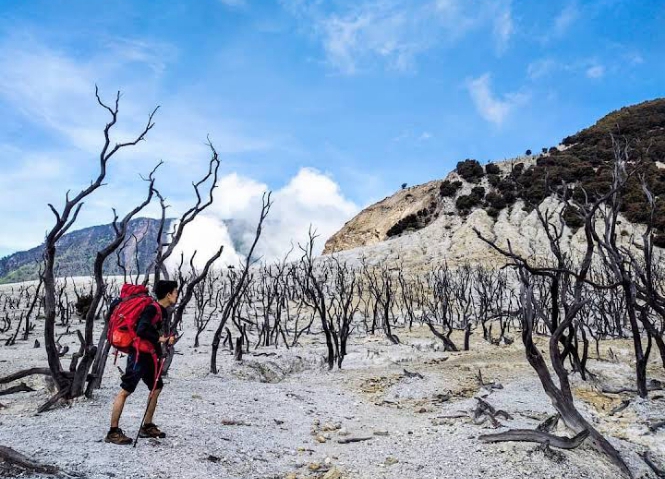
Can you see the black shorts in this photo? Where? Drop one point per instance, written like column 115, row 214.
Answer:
column 143, row 369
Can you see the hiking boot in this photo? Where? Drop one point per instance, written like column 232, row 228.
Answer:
column 116, row 436
column 150, row 430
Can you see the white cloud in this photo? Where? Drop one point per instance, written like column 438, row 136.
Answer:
column 489, row 106
column 595, row 71
column 565, row 19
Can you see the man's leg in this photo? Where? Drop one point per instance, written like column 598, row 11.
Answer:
column 118, row 406
column 151, row 406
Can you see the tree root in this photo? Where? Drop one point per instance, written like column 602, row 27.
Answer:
column 51, row 402
column 529, row 435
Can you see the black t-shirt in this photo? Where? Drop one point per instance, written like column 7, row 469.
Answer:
column 146, row 330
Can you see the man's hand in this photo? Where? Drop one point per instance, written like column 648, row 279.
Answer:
column 167, row 339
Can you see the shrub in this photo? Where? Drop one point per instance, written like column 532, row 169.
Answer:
column 449, row 188
column 506, row 185
column 478, row 192
column 493, row 212
column 492, row 169
column 465, row 202
column 509, row 197
column 495, row 200
column 572, row 218
column 470, row 170
column 493, row 180
column 659, row 241
column 414, row 221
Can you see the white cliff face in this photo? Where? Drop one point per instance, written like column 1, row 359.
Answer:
column 451, row 238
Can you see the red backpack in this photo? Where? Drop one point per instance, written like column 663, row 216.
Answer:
column 125, row 317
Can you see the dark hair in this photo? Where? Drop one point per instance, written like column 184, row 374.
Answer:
column 164, row 287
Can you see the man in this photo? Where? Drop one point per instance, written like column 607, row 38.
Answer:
column 143, row 365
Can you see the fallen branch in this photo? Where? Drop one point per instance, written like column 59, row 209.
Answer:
column 624, row 404
column 349, row 440
column 654, row 426
column 646, row 456
column 490, row 385
column 13, row 458
column 21, row 388
column 654, row 385
column 486, row 411
column 528, row 435
column 409, row 374
column 25, row 373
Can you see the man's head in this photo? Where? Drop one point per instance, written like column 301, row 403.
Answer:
column 166, row 292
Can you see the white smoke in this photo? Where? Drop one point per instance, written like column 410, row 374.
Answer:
column 309, row 198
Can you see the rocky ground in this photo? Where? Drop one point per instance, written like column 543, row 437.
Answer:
column 281, row 414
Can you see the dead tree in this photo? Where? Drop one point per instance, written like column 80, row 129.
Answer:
column 207, row 295
column 195, row 279
column 382, row 292
column 437, row 305
column 64, row 220
column 649, row 278
column 313, row 285
column 93, row 357
column 165, row 250
column 561, row 394
column 238, row 289
column 615, row 258
column 342, row 307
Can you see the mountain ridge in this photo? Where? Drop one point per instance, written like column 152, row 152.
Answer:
column 582, row 160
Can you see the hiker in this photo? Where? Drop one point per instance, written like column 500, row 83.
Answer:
column 142, row 361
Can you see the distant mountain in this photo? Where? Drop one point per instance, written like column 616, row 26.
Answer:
column 76, row 252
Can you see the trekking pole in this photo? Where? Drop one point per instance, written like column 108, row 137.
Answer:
column 152, row 392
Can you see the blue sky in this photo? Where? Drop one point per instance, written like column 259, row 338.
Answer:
column 331, row 104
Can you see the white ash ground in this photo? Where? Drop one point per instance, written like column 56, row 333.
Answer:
column 291, row 428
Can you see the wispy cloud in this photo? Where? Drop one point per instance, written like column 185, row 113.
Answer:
column 489, row 105
column 542, row 68
column 234, row 3
column 503, row 29
column 595, row 71
column 565, row 19
column 394, row 32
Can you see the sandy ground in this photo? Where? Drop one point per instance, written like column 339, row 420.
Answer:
column 283, row 415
